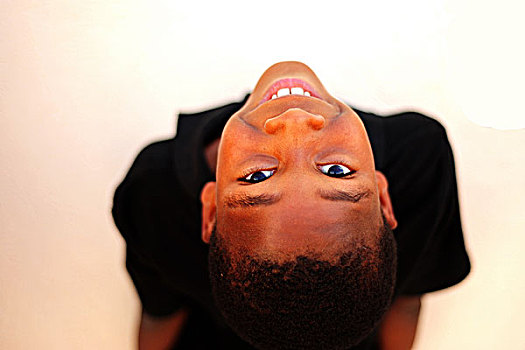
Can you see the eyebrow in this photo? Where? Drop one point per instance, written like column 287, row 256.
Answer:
column 244, row 200
column 345, row 196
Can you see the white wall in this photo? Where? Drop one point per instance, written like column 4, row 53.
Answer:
column 84, row 85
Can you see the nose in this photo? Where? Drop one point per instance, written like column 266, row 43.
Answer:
column 294, row 118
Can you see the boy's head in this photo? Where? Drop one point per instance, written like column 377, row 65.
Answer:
column 299, row 221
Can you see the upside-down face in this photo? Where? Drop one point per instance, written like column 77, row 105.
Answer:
column 301, row 256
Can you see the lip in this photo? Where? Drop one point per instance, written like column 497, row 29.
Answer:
column 260, row 105
column 288, row 83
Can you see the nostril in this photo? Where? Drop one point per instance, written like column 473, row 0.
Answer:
column 271, row 126
column 295, row 117
column 316, row 121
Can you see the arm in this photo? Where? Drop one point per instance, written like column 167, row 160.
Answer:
column 398, row 328
column 159, row 333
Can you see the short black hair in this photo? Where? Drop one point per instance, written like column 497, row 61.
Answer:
column 306, row 303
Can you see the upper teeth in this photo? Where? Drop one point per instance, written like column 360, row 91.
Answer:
column 297, row 91
column 292, row 91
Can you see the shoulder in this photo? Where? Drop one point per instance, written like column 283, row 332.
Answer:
column 409, row 126
column 402, row 135
column 215, row 118
column 422, row 185
column 407, row 122
column 148, row 202
column 154, row 157
column 150, row 175
column 413, row 136
column 416, row 147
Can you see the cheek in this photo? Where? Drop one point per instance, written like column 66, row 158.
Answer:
column 238, row 142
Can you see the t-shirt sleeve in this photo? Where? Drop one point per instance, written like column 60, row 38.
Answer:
column 143, row 209
column 156, row 295
column 422, row 184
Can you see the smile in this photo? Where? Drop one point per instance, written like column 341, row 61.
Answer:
column 289, row 86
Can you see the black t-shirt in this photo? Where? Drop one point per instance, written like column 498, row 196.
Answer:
column 158, row 212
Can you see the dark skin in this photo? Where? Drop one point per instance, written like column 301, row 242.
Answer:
column 275, row 154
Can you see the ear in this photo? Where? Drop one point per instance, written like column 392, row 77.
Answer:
column 384, row 200
column 209, row 209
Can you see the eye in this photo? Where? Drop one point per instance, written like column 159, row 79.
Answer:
column 336, row 170
column 258, row 176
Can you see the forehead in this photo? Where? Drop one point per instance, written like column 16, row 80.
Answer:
column 295, row 226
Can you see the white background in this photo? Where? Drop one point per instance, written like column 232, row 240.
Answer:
column 85, row 85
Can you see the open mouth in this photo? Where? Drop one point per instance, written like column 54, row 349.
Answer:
column 287, row 87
